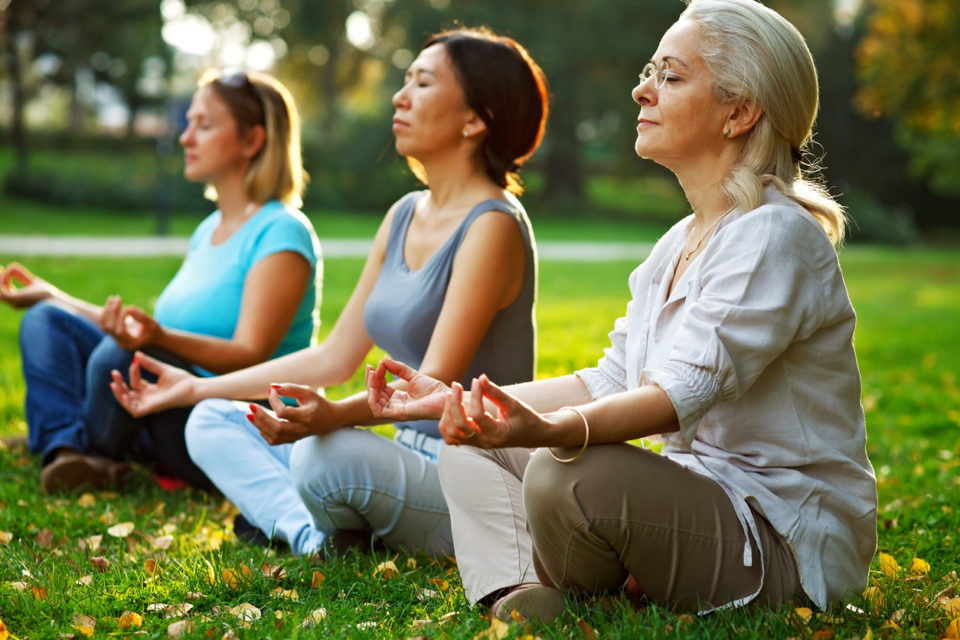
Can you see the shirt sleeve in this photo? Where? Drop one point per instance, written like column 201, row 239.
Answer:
column 757, row 295
column 285, row 232
column 610, row 374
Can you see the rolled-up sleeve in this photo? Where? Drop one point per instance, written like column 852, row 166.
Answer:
column 610, row 374
column 755, row 294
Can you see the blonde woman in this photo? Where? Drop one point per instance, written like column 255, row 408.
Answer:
column 736, row 347
column 247, row 291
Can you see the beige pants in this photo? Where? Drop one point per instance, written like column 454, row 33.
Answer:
column 617, row 511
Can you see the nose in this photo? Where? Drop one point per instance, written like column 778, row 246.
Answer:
column 642, row 93
column 400, row 97
column 186, row 136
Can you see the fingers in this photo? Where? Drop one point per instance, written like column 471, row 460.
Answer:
column 136, row 382
column 16, row 271
column 460, row 425
column 123, row 394
column 503, row 400
column 152, row 365
column 398, row 368
column 297, row 391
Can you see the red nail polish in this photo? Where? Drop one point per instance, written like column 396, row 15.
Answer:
column 251, row 418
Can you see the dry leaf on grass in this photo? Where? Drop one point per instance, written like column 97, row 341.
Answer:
column 951, row 606
column 84, row 581
column 44, row 538
column 121, row 530
column 178, row 628
column 162, row 543
column 317, row 578
column 440, row 583
column 889, row 565
column 245, row 612
column 316, row 617
column 498, row 629
column 290, row 594
column 4, row 634
column 130, row 619
column 5, row 537
column 386, row 570
column 86, row 500
column 40, row 593
column 919, row 567
column 100, row 563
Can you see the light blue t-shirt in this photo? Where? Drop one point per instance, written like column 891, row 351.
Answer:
column 205, row 295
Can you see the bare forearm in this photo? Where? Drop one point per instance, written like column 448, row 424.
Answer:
column 552, row 393
column 637, row 413
column 213, row 354
column 89, row 311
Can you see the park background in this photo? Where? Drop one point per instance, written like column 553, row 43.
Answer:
column 91, row 101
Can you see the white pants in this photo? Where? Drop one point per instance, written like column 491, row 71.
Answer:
column 350, row 479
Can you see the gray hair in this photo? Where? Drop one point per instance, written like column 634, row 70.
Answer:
column 755, row 55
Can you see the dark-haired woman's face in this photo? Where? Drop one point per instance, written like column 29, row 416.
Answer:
column 430, row 111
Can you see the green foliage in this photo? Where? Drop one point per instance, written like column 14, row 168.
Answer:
column 908, row 308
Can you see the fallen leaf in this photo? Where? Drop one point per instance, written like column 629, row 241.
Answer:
column 498, row 629
column 86, row 500
column 385, row 569
column 440, row 583
column 100, row 563
column 121, row 530
column 316, row 617
column 919, row 567
column 44, row 538
column 447, row 617
column 888, row 565
column 822, row 634
column 91, row 544
column 171, row 610
column 19, row 586
column 5, row 538
column 4, row 634
column 40, row 593
column 951, row 606
column 150, row 566
column 411, row 564
column 317, row 578
column 290, row 594
column 277, row 572
column 130, row 619
column 178, row 628
column 953, row 630
column 234, row 578
column 426, row 594
column 162, row 543
column 85, row 581
column 81, row 620
column 585, row 630
column 245, row 612
column 230, row 635
column 803, row 613
column 84, row 630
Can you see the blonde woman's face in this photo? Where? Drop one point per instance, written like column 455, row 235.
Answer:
column 680, row 123
column 213, row 148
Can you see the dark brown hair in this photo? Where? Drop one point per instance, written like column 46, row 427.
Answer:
column 508, row 91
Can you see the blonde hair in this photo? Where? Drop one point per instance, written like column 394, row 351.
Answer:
column 755, row 55
column 276, row 172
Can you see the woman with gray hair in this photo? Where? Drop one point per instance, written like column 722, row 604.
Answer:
column 736, row 349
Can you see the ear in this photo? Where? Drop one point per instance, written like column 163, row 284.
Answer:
column 473, row 126
column 741, row 120
column 255, row 139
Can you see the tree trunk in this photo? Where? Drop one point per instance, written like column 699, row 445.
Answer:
column 18, row 131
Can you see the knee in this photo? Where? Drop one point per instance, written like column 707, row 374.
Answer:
column 201, row 432
column 547, row 486
column 106, row 357
column 450, row 466
column 38, row 320
column 315, row 463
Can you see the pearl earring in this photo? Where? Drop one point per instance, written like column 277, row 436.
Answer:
column 466, row 134
column 726, row 133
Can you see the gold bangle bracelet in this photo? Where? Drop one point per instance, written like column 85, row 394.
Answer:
column 586, row 439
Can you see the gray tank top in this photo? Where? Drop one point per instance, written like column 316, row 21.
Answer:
column 404, row 304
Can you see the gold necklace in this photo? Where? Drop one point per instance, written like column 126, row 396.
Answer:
column 704, row 236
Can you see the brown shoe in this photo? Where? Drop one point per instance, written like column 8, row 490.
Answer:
column 72, row 470
column 532, row 602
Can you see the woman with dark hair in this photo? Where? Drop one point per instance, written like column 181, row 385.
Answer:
column 450, row 284
column 736, row 348
column 247, row 291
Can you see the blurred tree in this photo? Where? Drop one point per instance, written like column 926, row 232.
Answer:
column 12, row 20
column 907, row 66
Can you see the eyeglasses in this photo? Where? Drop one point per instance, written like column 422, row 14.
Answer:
column 658, row 72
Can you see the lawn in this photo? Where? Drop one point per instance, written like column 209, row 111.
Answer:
column 69, row 567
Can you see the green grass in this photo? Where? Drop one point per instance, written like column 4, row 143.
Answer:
column 908, row 306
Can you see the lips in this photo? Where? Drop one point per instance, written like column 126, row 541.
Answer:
column 399, row 124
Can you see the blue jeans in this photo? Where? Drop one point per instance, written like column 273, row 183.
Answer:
column 350, row 479
column 67, row 361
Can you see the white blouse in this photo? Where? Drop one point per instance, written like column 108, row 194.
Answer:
column 754, row 347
